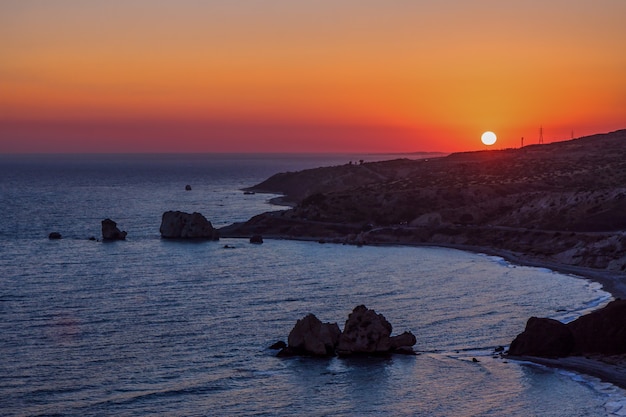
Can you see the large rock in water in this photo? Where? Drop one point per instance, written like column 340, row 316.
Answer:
column 543, row 337
column 600, row 332
column 111, row 232
column 367, row 332
column 312, row 337
column 180, row 225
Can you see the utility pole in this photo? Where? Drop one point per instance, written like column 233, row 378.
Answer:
column 541, row 135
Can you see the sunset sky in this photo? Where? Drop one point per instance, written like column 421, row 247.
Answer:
column 307, row 76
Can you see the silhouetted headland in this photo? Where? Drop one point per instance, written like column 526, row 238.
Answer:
column 560, row 205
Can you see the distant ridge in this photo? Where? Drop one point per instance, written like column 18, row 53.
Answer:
column 417, row 153
column 562, row 202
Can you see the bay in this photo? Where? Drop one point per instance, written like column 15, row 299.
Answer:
column 149, row 326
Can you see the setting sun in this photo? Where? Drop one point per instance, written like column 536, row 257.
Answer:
column 488, row 138
column 349, row 76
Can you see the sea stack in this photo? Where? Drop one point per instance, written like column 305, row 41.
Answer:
column 180, row 225
column 111, row 232
column 365, row 333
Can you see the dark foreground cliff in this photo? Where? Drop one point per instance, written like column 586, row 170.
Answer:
column 563, row 202
column 594, row 344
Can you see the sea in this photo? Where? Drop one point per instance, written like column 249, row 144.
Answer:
column 148, row 326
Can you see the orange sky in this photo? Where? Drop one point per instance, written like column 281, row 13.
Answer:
column 298, row 76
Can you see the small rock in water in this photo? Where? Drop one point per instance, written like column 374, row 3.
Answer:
column 278, row 345
column 188, row 187
column 54, row 235
column 111, row 232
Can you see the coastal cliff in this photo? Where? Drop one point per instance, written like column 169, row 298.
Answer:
column 561, row 203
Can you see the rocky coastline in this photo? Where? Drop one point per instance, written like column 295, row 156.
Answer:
column 561, row 206
column 593, row 344
column 562, row 203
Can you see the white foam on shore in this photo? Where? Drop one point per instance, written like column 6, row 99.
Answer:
column 601, row 297
column 498, row 259
column 615, row 404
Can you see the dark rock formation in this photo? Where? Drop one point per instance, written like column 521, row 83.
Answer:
column 180, row 225
column 258, row 239
column 54, row 236
column 403, row 342
column 278, row 345
column 563, row 202
column 111, row 232
column 312, row 337
column 543, row 337
column 600, row 332
column 188, row 187
column 367, row 332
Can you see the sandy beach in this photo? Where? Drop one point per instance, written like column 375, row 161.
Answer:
column 610, row 369
column 611, row 281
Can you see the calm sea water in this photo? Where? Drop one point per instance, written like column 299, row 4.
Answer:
column 154, row 327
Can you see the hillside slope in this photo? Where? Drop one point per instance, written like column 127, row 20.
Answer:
column 564, row 201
